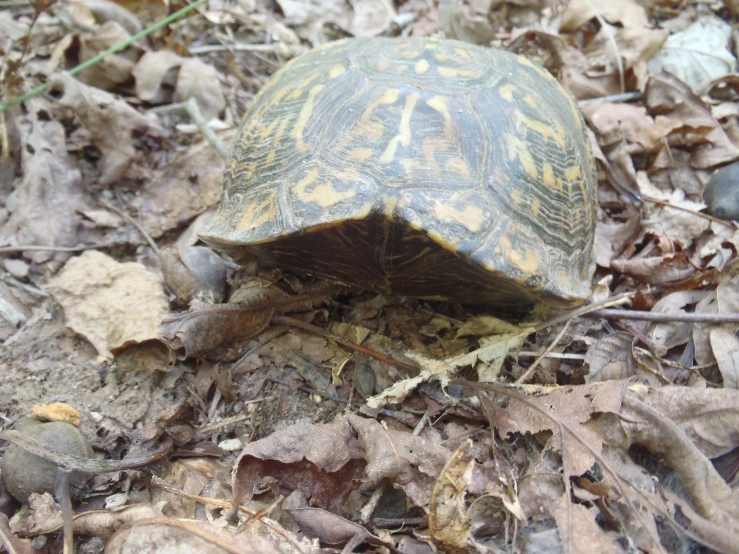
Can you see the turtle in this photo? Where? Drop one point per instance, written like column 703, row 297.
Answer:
column 421, row 167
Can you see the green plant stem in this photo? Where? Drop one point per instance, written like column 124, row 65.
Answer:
column 112, row 50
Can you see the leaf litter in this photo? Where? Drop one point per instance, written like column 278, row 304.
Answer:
column 339, row 418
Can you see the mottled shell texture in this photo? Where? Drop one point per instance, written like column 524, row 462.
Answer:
column 420, row 167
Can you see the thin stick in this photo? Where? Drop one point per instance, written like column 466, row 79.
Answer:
column 608, row 30
column 192, row 109
column 132, row 221
column 538, row 360
column 265, row 48
column 290, row 321
column 666, row 316
column 41, row 248
column 112, row 50
column 616, row 98
column 728, row 224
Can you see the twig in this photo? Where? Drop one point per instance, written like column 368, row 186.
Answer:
column 290, row 321
column 584, row 310
column 553, row 355
column 728, row 224
column 608, row 30
column 549, row 348
column 150, row 241
column 616, row 98
column 112, row 50
column 689, row 317
column 192, row 109
column 277, row 47
column 42, row 248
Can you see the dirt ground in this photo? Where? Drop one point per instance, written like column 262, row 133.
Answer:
column 345, row 419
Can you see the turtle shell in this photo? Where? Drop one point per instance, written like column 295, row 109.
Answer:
column 421, row 167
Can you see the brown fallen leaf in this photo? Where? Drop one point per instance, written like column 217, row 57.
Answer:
column 691, row 120
column 410, row 462
column 335, row 530
column 611, row 358
column 321, row 460
column 111, row 304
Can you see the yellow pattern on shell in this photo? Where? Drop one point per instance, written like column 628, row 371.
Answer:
column 303, row 118
column 404, row 129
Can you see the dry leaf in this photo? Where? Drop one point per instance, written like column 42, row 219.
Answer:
column 611, row 358
column 186, row 187
column 726, row 349
column 371, row 17
column 200, row 81
column 113, row 69
column 321, row 460
column 45, row 202
column 111, row 304
column 111, row 122
column 626, row 12
column 152, row 73
column 698, row 55
column 411, row 462
column 449, row 523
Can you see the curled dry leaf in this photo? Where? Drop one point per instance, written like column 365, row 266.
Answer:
column 691, row 121
column 725, row 346
column 410, row 462
column 615, row 49
column 709, row 417
column 614, row 233
column 611, row 358
column 111, row 122
column 321, row 460
column 711, row 496
column 449, row 523
column 111, row 304
column 152, row 74
column 207, row 326
column 725, row 299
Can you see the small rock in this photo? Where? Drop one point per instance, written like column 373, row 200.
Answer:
column 25, row 473
column 722, row 193
column 17, row 268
